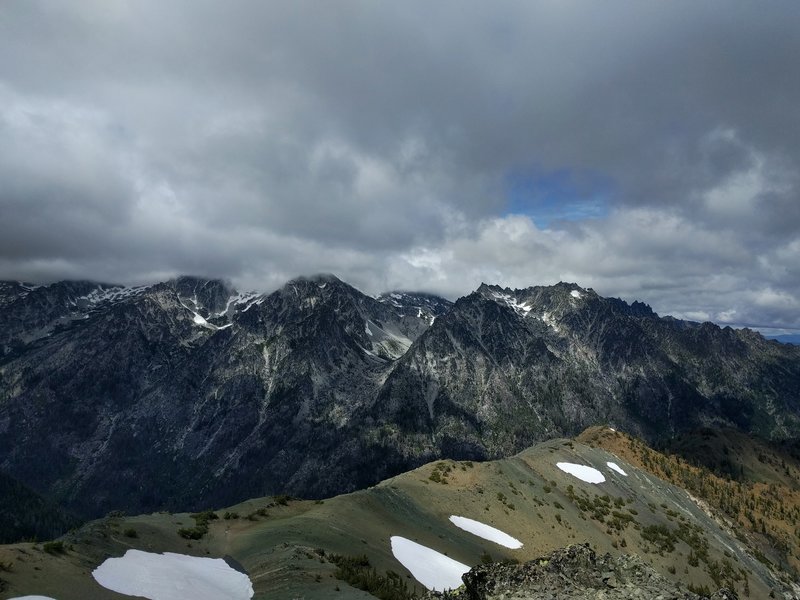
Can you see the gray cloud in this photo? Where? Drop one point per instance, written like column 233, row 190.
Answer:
column 259, row 141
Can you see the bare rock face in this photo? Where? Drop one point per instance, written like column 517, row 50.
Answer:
column 503, row 369
column 574, row 573
column 188, row 394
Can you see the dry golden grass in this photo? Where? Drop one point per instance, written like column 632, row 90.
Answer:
column 764, row 514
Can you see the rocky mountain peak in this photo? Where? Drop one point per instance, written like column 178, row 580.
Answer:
column 545, row 303
column 12, row 290
column 563, row 300
column 318, row 291
column 310, row 291
column 420, row 304
column 270, row 392
column 321, row 280
column 205, row 296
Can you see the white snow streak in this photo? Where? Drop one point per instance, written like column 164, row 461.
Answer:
column 251, row 301
column 521, row 309
column 615, row 467
column 486, row 532
column 582, row 472
column 111, row 294
column 432, row 569
column 548, row 319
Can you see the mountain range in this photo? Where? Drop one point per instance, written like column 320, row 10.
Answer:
column 188, row 393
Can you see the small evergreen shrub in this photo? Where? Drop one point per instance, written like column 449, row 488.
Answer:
column 357, row 571
column 56, row 547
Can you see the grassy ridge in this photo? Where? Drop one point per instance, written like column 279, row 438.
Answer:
column 340, row 547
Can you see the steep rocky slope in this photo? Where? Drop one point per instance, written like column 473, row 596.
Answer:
column 504, row 368
column 188, row 393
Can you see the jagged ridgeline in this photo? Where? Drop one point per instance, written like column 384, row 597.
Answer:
column 189, row 394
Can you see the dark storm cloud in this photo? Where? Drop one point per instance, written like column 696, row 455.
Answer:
column 261, row 140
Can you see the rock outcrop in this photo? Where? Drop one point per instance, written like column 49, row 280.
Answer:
column 573, row 573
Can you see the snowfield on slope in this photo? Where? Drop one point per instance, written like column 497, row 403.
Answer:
column 582, row 472
column 171, row 576
column 432, row 569
column 615, row 467
column 486, row 532
column 32, row 598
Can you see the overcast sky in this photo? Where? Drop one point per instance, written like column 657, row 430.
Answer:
column 650, row 150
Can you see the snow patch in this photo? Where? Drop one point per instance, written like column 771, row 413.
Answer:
column 486, row 532
column 582, row 472
column 249, row 300
column 615, row 467
column 576, row 294
column 171, row 576
column 521, row 308
column 238, row 299
column 199, row 319
column 432, row 569
column 111, row 294
column 548, row 319
column 32, row 598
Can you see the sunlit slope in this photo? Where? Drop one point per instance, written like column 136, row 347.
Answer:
column 289, row 547
column 755, row 491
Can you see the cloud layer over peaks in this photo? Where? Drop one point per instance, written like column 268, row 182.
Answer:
column 648, row 150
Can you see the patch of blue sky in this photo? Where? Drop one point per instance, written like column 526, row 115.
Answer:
column 556, row 196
